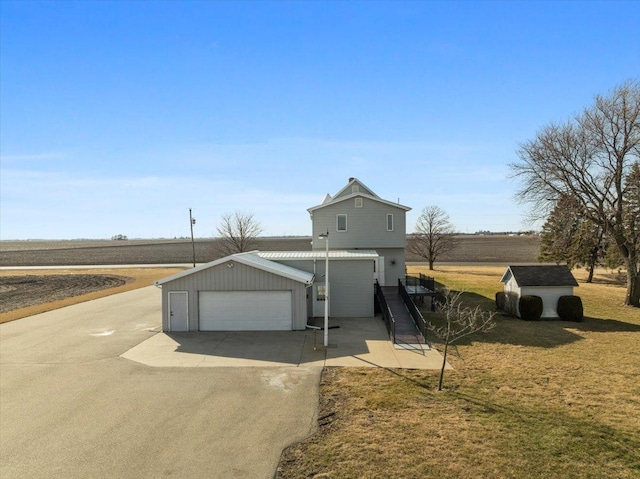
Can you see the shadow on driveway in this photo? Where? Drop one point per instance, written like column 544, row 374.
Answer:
column 353, row 342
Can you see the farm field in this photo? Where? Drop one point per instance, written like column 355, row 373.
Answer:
column 550, row 399
column 24, row 293
column 483, row 249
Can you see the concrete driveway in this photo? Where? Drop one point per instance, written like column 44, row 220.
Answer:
column 71, row 407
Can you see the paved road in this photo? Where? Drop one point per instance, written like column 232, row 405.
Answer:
column 71, row 407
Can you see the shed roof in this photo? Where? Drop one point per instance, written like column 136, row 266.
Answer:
column 252, row 259
column 320, row 254
column 540, row 275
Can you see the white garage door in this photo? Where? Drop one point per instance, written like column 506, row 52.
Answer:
column 245, row 311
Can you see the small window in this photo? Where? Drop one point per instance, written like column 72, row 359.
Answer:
column 358, row 202
column 389, row 222
column 341, row 222
column 355, row 189
column 322, row 293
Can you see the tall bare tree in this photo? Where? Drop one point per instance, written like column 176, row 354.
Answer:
column 237, row 233
column 590, row 159
column 433, row 236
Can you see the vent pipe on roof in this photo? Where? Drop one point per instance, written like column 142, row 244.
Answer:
column 351, row 179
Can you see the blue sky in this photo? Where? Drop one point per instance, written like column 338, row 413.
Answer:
column 116, row 117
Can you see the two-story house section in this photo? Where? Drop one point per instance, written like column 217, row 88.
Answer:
column 357, row 218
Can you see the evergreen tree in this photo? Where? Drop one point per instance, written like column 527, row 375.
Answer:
column 568, row 236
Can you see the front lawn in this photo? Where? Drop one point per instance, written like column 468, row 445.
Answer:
column 549, row 399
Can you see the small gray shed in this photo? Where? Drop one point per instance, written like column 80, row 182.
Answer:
column 547, row 281
column 240, row 292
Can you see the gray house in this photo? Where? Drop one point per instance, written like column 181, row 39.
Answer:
column 356, row 218
column 281, row 290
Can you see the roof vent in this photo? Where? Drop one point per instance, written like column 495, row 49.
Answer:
column 351, row 179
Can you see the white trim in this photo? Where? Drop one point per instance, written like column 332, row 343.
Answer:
column 251, row 259
column 338, row 215
column 335, row 201
column 361, row 254
column 350, row 184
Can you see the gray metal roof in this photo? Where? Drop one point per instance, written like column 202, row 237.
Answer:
column 319, row 254
column 540, row 275
column 250, row 259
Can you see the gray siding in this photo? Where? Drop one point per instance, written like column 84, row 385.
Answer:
column 351, row 283
column 238, row 278
column 366, row 226
column 349, row 190
column 394, row 264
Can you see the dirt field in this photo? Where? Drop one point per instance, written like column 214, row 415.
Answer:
column 21, row 291
column 471, row 249
column 24, row 294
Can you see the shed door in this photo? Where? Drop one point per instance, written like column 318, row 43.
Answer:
column 245, row 311
column 178, row 311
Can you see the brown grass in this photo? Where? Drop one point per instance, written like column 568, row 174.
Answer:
column 537, row 399
column 139, row 278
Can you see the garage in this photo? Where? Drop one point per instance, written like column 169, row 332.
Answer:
column 240, row 292
column 245, row 311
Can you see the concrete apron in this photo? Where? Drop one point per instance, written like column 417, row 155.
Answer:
column 356, row 342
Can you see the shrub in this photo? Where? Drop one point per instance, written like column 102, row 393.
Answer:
column 501, row 300
column 570, row 308
column 530, row 307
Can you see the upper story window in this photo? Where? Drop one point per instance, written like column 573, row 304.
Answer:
column 355, row 189
column 389, row 222
column 341, row 222
column 358, row 202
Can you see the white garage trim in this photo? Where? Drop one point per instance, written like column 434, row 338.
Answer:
column 245, row 311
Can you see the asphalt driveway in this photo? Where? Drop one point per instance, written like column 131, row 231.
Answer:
column 71, row 407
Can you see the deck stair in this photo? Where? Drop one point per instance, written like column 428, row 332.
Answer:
column 407, row 335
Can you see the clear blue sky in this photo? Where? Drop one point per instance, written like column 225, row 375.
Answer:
column 116, row 117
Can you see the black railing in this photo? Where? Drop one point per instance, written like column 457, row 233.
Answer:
column 421, row 324
column 386, row 312
column 426, row 282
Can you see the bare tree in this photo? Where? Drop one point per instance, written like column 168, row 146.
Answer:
column 460, row 322
column 590, row 159
column 237, row 233
column 433, row 236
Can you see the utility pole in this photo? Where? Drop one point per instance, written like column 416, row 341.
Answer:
column 192, row 221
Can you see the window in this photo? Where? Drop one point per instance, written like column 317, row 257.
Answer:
column 341, row 222
column 358, row 202
column 389, row 222
column 355, row 189
column 322, row 293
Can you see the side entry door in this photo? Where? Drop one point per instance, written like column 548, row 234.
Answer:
column 178, row 311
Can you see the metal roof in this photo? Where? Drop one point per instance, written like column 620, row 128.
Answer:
column 320, row 254
column 540, row 275
column 250, row 259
